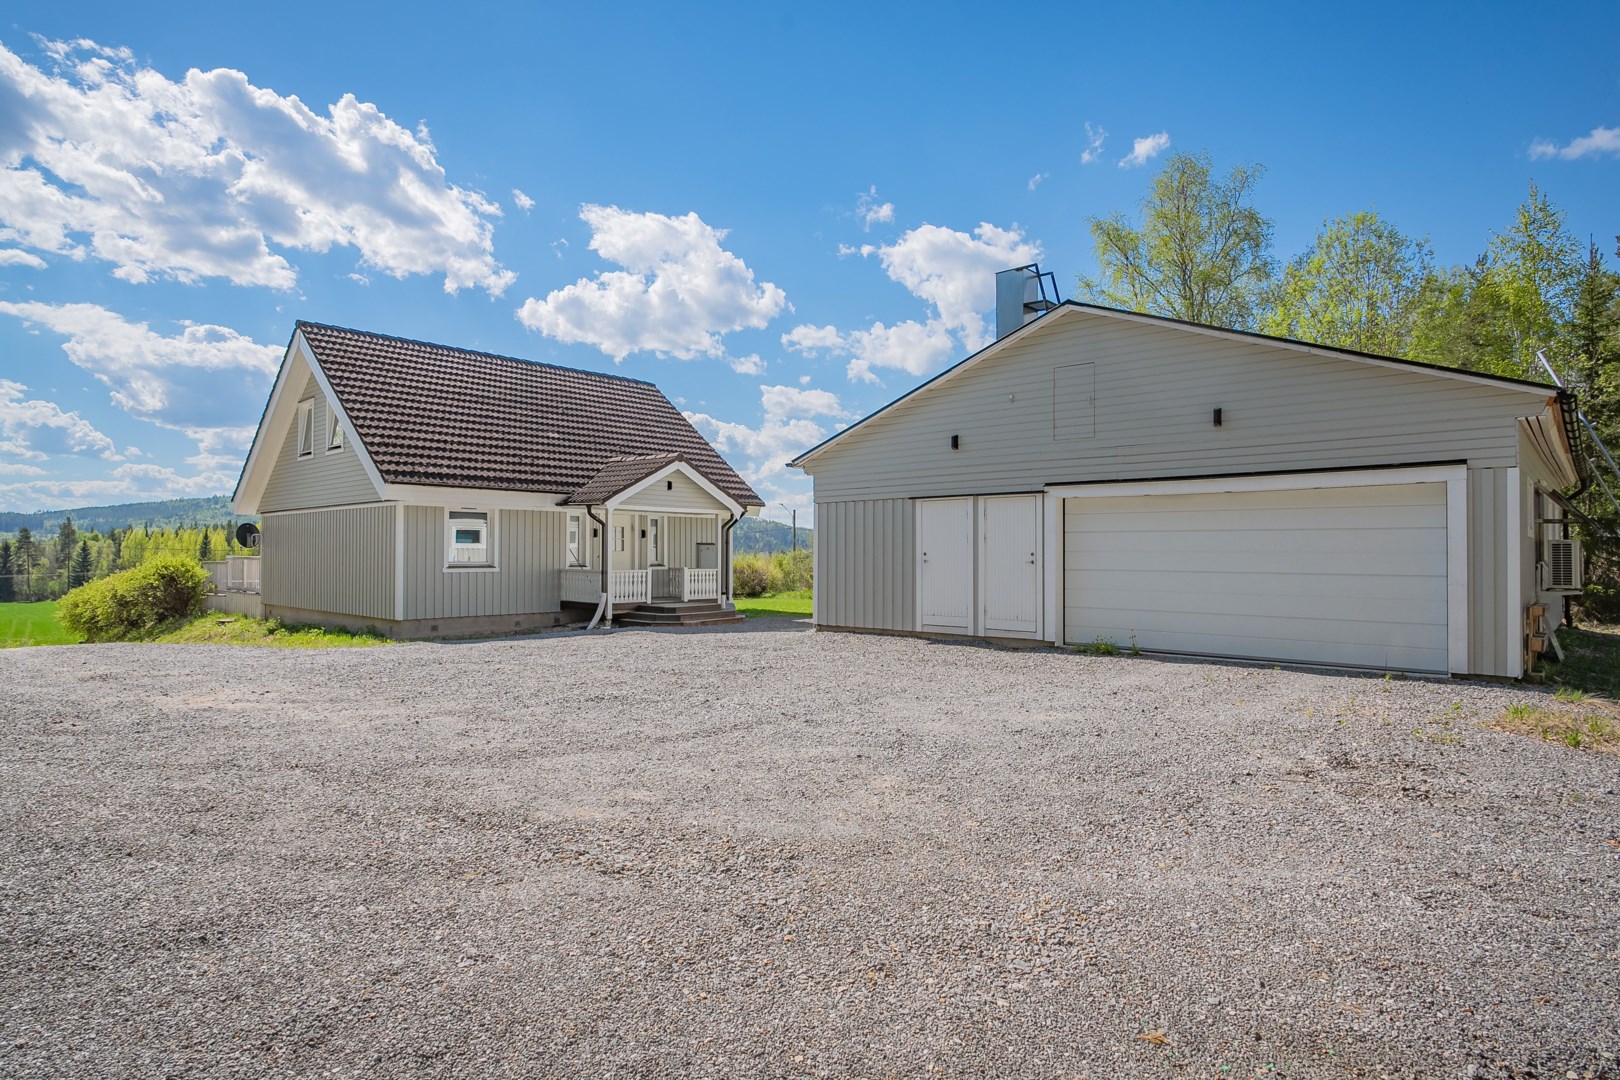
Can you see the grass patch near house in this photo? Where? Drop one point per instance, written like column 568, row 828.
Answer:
column 217, row 629
column 790, row 605
column 1585, row 724
column 33, row 624
column 1591, row 661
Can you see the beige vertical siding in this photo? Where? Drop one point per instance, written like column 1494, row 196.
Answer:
column 322, row 479
column 340, row 561
column 1155, row 389
column 865, row 552
column 673, row 493
column 1493, row 636
column 531, row 546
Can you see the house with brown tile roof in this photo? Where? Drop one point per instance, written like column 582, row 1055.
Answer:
column 430, row 490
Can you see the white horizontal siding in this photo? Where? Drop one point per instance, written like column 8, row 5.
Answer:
column 674, row 493
column 1155, row 391
column 322, row 479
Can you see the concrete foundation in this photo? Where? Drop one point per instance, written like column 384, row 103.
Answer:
column 428, row 628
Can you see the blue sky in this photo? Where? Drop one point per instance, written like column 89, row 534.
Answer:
column 783, row 218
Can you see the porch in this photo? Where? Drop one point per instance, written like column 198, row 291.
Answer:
column 658, row 584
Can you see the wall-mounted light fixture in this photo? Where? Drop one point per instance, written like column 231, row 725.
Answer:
column 956, row 442
column 593, row 534
column 1217, row 418
column 644, row 534
column 669, row 485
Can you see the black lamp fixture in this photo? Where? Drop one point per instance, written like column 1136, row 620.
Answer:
column 1217, row 418
column 956, row 442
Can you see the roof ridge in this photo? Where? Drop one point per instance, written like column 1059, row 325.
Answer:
column 301, row 323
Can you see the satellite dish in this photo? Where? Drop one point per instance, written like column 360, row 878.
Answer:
column 247, row 534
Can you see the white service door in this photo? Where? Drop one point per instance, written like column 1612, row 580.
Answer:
column 1011, row 600
column 1353, row 576
column 945, row 564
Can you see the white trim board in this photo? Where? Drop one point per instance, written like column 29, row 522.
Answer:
column 1455, row 477
column 621, row 500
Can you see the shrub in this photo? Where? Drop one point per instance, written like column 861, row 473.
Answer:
column 135, row 602
column 796, row 568
column 751, row 574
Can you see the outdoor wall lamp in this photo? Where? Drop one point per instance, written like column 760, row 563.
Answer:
column 956, row 442
column 1217, row 418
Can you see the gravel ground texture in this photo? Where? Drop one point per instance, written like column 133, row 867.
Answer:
column 762, row 851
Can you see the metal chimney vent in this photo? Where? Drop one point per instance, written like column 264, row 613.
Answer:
column 1022, row 295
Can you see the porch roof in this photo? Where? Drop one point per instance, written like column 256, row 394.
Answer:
column 617, row 474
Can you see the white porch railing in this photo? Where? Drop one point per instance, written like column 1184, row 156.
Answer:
column 580, row 586
column 628, row 586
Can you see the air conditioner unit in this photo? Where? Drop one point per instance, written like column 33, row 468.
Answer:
column 1561, row 573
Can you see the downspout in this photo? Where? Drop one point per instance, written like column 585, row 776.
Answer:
column 607, row 569
column 725, row 556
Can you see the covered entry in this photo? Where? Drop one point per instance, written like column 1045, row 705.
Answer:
column 1368, row 569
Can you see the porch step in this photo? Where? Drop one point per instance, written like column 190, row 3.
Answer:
column 693, row 613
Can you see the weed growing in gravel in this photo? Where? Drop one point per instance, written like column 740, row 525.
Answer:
column 1595, row 729
column 1570, row 695
column 1100, row 647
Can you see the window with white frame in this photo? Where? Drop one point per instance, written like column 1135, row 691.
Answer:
column 469, row 540
column 334, row 430
column 306, row 428
column 576, row 550
column 655, row 551
column 618, row 538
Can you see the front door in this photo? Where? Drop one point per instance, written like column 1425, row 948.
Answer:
column 1012, row 565
column 945, row 564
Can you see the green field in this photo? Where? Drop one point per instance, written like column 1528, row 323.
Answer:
column 32, row 624
column 795, row 605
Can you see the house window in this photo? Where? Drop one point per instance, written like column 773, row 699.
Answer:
column 618, row 538
column 655, row 556
column 306, row 428
column 334, row 431
column 576, row 551
column 469, row 539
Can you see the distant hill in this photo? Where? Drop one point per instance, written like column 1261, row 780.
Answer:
column 759, row 534
column 213, row 510
column 751, row 533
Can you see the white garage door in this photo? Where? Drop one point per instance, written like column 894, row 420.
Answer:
column 1351, row 575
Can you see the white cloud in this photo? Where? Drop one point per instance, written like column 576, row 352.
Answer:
column 813, row 339
column 871, row 211
column 212, row 176
column 913, row 347
column 1602, row 140
column 1095, row 137
column 956, row 272
column 1145, row 149
column 679, row 292
column 187, row 382
column 36, row 430
column 1035, row 181
column 747, row 365
column 804, row 380
column 18, row 257
column 787, row 428
column 126, row 483
column 524, row 203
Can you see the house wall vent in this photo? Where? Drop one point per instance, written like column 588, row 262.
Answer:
column 1561, row 573
column 1022, row 294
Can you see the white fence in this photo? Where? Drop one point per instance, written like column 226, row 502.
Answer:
column 581, row 586
column 235, row 573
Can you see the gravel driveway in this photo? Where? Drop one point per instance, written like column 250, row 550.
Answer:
column 764, row 851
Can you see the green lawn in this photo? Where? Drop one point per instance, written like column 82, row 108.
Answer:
column 1591, row 661
column 32, row 624
column 793, row 605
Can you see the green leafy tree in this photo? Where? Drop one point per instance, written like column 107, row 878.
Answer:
column 8, row 591
column 83, row 568
column 1358, row 286
column 1202, row 252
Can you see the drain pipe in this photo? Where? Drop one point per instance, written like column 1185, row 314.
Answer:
column 607, row 570
column 725, row 548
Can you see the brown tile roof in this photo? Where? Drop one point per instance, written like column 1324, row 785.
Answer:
column 617, row 474
column 432, row 414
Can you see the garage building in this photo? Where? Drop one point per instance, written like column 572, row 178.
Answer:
column 1102, row 475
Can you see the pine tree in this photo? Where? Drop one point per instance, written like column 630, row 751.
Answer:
column 67, row 539
column 8, row 592
column 205, row 551
column 82, row 570
column 23, row 556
